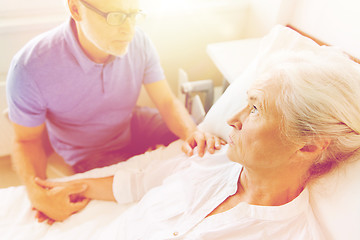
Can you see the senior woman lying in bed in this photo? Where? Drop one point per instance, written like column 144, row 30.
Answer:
column 302, row 120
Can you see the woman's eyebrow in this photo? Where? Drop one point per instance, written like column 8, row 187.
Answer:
column 256, row 97
column 252, row 97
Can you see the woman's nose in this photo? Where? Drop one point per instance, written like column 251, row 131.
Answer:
column 235, row 121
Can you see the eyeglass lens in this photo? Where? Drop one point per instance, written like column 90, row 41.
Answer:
column 117, row 18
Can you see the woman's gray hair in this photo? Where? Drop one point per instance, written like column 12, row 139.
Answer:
column 320, row 98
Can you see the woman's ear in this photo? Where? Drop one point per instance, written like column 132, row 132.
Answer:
column 310, row 152
column 315, row 147
column 74, row 9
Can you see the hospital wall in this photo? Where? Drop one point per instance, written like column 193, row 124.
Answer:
column 334, row 22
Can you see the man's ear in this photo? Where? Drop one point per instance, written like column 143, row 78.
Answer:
column 74, row 9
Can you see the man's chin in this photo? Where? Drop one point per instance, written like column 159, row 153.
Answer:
column 119, row 53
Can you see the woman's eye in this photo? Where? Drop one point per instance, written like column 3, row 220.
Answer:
column 254, row 109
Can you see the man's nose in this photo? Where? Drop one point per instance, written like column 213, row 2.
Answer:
column 127, row 26
column 128, row 22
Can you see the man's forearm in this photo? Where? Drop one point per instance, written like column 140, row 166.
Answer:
column 171, row 109
column 29, row 160
column 178, row 119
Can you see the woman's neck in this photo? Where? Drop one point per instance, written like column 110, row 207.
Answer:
column 263, row 190
column 269, row 189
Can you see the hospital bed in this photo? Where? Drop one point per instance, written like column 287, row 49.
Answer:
column 335, row 197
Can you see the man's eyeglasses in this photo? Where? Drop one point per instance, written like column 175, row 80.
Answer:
column 115, row 18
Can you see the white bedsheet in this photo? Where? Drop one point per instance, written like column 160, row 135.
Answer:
column 17, row 219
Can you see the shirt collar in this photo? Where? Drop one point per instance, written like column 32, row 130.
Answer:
column 274, row 213
column 76, row 50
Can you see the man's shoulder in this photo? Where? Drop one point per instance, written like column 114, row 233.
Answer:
column 139, row 33
column 41, row 49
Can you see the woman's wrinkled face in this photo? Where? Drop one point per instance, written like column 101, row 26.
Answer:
column 256, row 140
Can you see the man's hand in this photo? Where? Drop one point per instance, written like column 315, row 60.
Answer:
column 203, row 141
column 57, row 201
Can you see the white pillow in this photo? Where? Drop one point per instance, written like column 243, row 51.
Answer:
column 335, row 198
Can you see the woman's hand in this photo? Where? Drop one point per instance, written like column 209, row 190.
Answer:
column 203, row 141
column 56, row 201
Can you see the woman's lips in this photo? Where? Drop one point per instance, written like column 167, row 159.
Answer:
column 231, row 142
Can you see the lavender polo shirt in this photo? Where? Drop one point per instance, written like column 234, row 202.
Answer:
column 87, row 106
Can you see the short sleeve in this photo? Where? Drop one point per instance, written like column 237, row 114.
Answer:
column 153, row 70
column 25, row 102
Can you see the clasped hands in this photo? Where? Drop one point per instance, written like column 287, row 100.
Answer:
column 56, row 201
